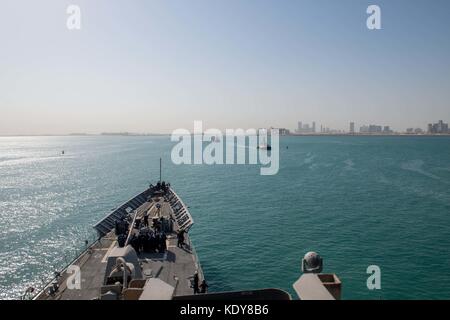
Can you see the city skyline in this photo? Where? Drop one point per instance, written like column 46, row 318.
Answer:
column 155, row 67
column 439, row 127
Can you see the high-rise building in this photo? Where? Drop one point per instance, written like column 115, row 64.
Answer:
column 439, row 127
column 387, row 129
column 352, row 127
column 281, row 131
column 375, row 128
column 306, row 128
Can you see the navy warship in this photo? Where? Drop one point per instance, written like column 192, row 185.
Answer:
column 144, row 252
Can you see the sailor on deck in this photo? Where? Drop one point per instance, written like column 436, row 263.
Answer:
column 180, row 236
column 195, row 284
column 204, row 287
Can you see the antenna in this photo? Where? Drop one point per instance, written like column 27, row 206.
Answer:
column 160, row 164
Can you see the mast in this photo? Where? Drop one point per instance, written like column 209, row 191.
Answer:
column 160, row 163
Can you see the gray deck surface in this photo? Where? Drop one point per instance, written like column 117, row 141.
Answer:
column 176, row 267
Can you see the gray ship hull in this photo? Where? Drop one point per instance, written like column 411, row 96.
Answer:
column 163, row 273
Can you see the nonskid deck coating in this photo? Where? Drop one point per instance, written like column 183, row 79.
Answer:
column 176, row 266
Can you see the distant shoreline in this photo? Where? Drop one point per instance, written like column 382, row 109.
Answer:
column 288, row 135
column 368, row 135
column 85, row 135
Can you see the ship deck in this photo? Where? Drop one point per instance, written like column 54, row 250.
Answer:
column 176, row 266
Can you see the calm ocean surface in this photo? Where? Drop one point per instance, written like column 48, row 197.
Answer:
column 358, row 201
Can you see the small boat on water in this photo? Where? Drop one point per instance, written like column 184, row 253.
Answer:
column 265, row 147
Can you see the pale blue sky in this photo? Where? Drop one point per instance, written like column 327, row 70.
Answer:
column 153, row 66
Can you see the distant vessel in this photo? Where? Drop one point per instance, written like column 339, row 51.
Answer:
column 263, row 145
column 63, row 152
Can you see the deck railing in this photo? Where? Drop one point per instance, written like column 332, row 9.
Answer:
column 47, row 282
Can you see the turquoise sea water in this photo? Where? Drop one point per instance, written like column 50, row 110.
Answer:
column 358, row 201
